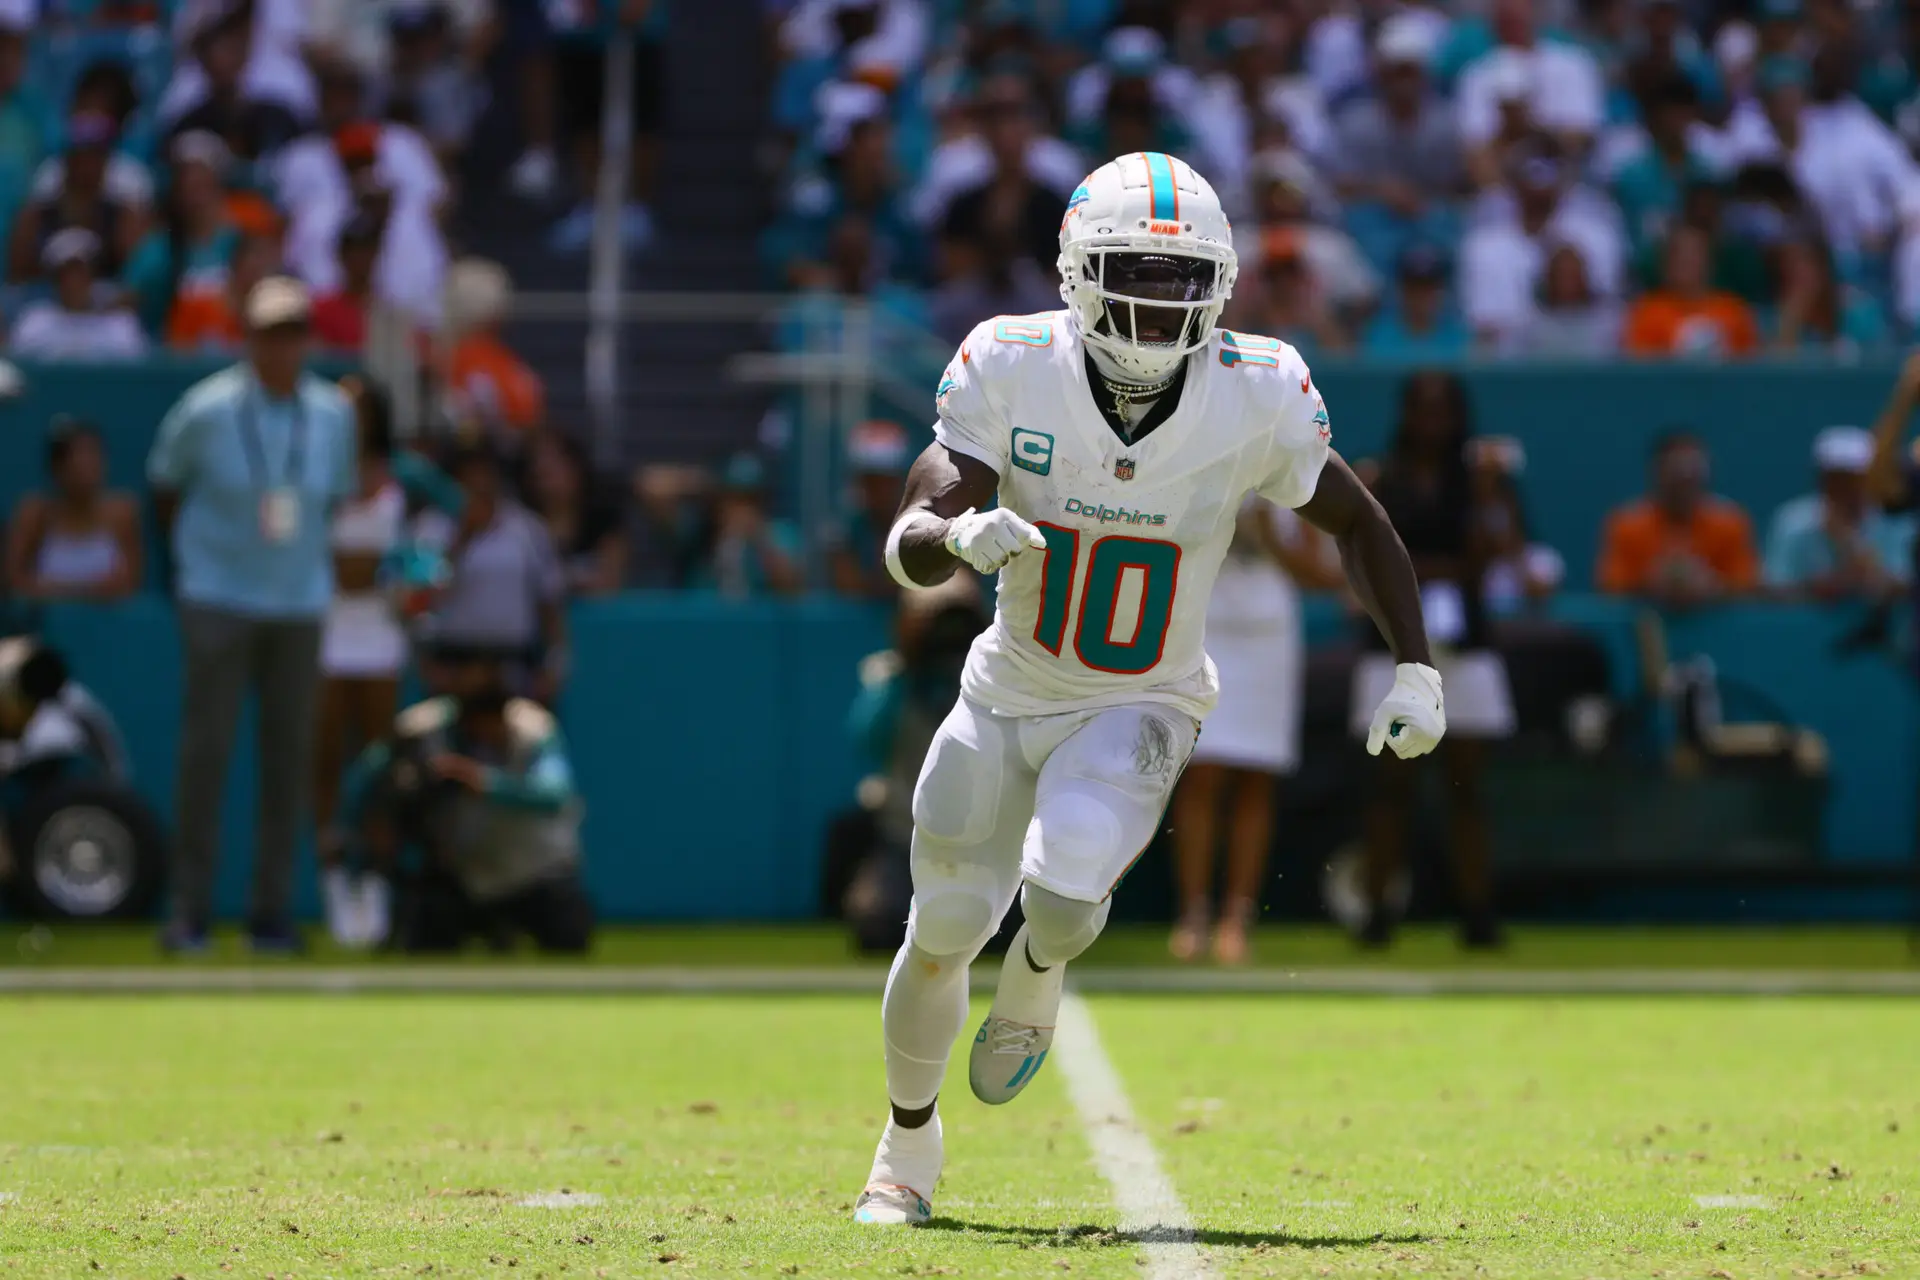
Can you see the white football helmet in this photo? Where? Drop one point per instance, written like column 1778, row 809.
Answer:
column 1146, row 262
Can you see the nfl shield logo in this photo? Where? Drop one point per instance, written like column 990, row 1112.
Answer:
column 1123, row 469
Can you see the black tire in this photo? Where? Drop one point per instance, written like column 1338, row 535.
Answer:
column 86, row 849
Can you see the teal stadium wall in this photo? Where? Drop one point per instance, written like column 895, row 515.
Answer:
column 708, row 735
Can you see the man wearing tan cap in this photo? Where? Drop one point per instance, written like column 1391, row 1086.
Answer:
column 246, row 470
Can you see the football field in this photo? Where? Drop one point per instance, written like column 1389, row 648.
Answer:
column 311, row 1135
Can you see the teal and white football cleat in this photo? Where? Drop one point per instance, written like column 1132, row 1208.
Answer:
column 1006, row 1057
column 1013, row 1041
column 891, row 1206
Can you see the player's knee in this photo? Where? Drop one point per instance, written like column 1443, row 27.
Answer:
column 1078, row 840
column 1060, row 928
column 952, row 918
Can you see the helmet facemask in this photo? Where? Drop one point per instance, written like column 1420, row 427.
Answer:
column 1147, row 308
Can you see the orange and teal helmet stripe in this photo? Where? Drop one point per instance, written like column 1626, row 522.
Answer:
column 1166, row 195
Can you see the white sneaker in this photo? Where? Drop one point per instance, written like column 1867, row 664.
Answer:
column 906, row 1168
column 337, row 895
column 1014, row 1040
column 534, row 174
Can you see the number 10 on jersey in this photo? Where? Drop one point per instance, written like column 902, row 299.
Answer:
column 1126, row 599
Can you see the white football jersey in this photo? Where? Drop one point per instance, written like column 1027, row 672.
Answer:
column 1114, row 610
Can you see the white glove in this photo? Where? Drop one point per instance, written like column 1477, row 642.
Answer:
column 987, row 540
column 1413, row 715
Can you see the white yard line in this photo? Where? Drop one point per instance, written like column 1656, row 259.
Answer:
column 1150, row 1208
column 1733, row 1202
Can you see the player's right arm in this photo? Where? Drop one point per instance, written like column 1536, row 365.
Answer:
column 942, row 487
column 941, row 523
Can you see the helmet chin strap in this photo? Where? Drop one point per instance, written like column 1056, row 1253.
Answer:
column 1112, row 370
column 1126, row 394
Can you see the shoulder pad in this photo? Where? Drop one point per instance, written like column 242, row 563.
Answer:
column 1258, row 356
column 1274, row 378
column 423, row 718
column 1003, row 339
column 528, row 722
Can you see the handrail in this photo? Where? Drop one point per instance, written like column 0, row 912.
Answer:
column 602, row 348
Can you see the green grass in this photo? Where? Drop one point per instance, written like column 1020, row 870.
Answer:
column 1424, row 947
column 1496, row 1137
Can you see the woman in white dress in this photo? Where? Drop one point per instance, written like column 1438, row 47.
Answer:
column 1252, row 739
column 363, row 650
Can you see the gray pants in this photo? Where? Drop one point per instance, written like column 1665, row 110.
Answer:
column 226, row 655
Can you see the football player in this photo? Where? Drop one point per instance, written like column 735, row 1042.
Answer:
column 1120, row 435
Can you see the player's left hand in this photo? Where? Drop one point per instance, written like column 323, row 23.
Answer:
column 1413, row 716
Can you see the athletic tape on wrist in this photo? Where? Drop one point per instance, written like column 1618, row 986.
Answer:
column 894, row 568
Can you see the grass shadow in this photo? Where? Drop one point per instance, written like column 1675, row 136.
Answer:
column 1089, row 1234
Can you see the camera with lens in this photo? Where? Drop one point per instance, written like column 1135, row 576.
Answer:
column 408, row 791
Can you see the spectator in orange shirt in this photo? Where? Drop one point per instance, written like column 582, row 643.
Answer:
column 1685, row 316
column 209, row 319
column 1680, row 545
column 488, row 385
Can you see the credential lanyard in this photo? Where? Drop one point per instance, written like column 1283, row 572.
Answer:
column 256, row 449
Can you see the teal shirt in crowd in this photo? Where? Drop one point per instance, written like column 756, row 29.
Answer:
column 203, row 454
column 1650, row 192
column 152, row 279
column 25, row 134
column 1386, row 336
column 737, row 568
column 1799, row 550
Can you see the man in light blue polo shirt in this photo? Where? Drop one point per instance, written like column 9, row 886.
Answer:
column 1834, row 543
column 246, row 470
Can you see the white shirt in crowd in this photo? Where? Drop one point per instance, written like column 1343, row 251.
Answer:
column 128, row 182
column 1336, row 53
column 1222, row 122
column 45, row 330
column 361, row 30
column 311, row 182
column 1500, row 264
column 897, row 45
column 1563, row 87
column 961, row 164
column 275, row 70
column 1853, row 169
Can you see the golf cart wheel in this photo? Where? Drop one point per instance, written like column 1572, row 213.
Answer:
column 86, row 850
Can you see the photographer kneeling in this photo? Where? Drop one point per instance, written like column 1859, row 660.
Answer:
column 476, row 784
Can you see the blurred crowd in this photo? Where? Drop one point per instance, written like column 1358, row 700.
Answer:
column 159, row 159
column 153, row 167
column 1509, row 177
